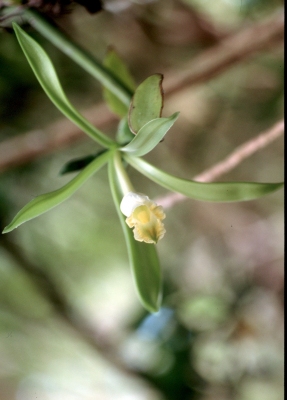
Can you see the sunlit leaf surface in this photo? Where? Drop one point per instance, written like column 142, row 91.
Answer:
column 146, row 103
column 150, row 135
column 45, row 202
column 217, row 192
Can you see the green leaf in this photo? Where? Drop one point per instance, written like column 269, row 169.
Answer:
column 45, row 202
column 75, row 52
column 149, row 136
column 146, row 103
column 79, row 163
column 142, row 256
column 124, row 134
column 216, row 192
column 47, row 77
column 120, row 71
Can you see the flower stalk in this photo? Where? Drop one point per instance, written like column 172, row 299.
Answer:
column 124, row 180
column 143, row 215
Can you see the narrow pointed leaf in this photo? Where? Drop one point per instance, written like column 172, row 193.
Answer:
column 146, row 103
column 45, row 202
column 48, row 79
column 216, row 192
column 79, row 163
column 75, row 52
column 149, row 136
column 142, row 256
column 120, row 71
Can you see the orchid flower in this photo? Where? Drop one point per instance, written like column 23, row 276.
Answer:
column 145, row 216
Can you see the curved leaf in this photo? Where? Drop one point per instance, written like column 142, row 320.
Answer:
column 79, row 163
column 146, row 103
column 124, row 135
column 118, row 68
column 75, row 52
column 45, row 202
column 216, row 192
column 149, row 135
column 48, row 79
column 142, row 256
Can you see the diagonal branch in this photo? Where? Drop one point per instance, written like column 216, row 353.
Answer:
column 230, row 162
column 31, row 145
column 241, row 152
column 230, row 51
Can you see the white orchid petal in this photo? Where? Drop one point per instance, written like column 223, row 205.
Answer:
column 132, row 200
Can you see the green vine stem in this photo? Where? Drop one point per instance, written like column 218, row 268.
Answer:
column 77, row 54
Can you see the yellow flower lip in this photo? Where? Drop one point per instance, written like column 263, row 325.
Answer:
column 144, row 216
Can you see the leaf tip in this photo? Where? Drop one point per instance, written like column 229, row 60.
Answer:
column 152, row 308
column 16, row 27
column 152, row 303
column 7, row 229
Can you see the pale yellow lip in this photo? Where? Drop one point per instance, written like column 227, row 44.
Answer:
column 144, row 216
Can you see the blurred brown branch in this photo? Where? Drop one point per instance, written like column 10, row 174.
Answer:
column 31, row 145
column 230, row 162
column 230, row 51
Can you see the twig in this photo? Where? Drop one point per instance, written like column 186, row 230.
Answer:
column 230, row 51
column 230, row 162
column 31, row 145
column 241, row 152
